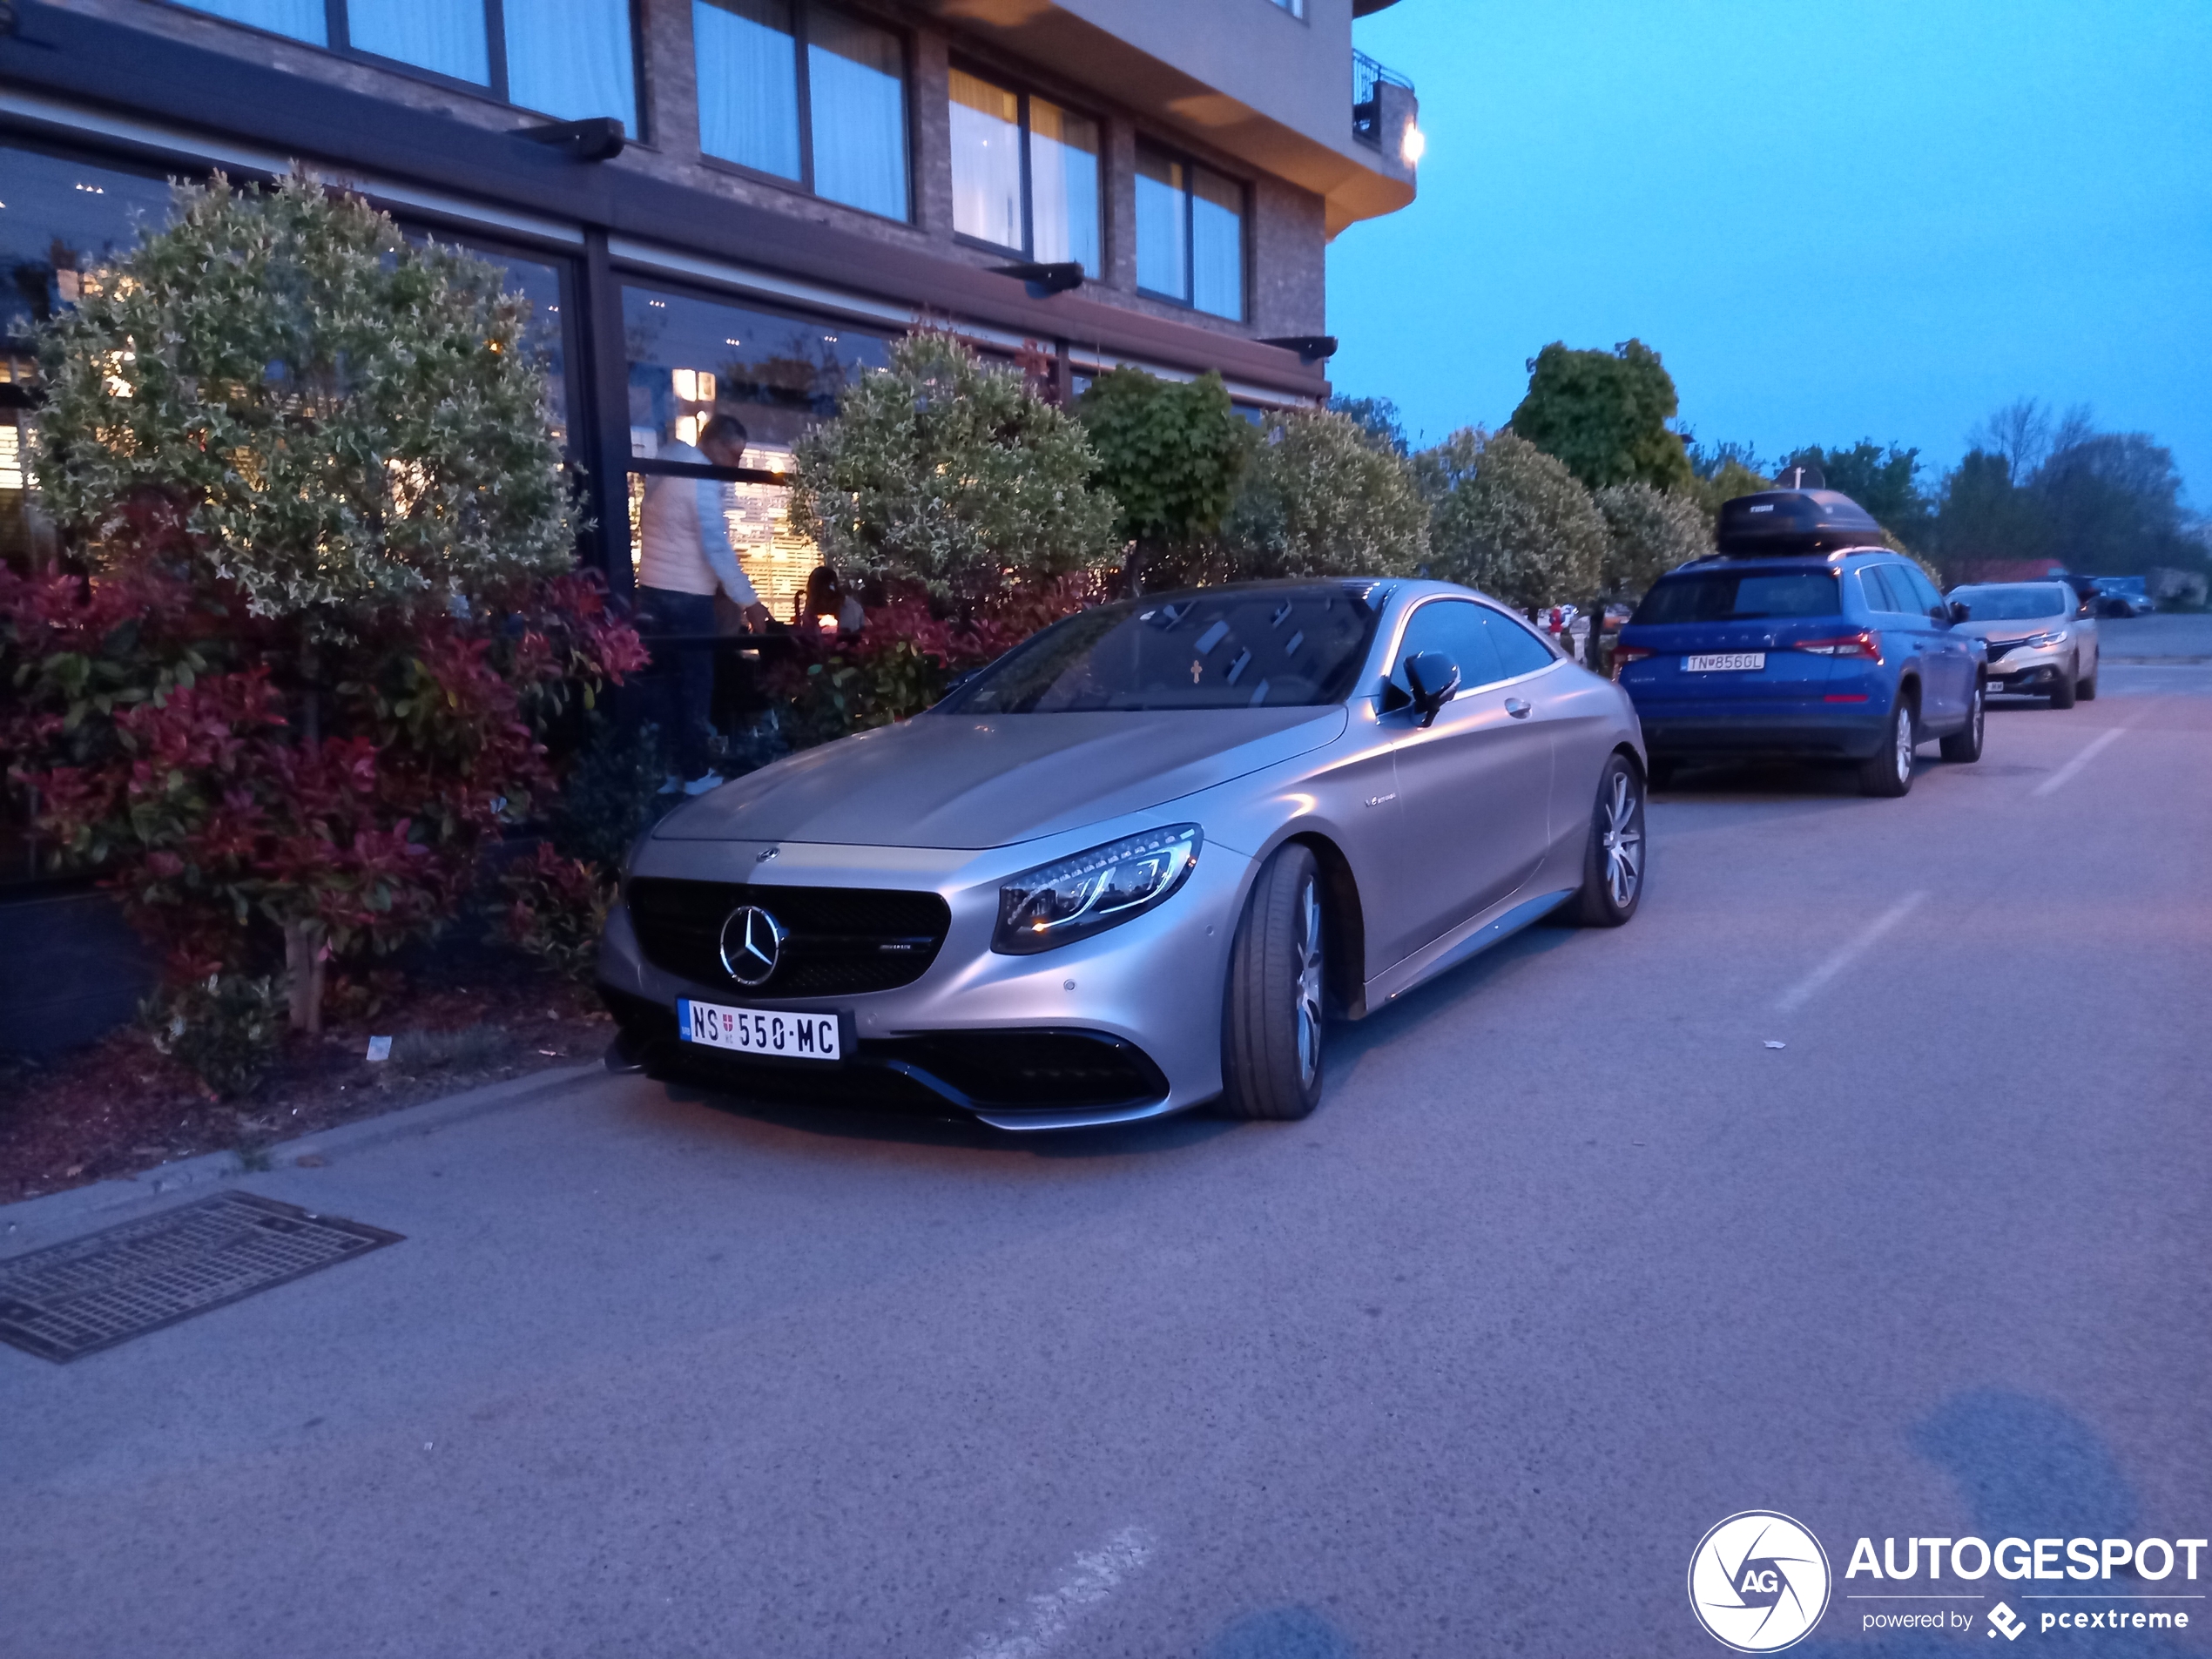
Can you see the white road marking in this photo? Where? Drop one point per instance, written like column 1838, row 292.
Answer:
column 2097, row 747
column 1093, row 1575
column 1798, row 994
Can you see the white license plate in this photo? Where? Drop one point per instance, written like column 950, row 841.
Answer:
column 1724, row 662
column 780, row 1034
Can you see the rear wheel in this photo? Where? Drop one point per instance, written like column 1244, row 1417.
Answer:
column 1888, row 771
column 1273, row 1020
column 1612, row 862
column 2062, row 693
column 1966, row 743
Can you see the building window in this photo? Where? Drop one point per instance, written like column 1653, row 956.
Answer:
column 1190, row 234
column 1296, row 8
column 691, row 358
column 1025, row 173
column 806, row 93
column 574, row 59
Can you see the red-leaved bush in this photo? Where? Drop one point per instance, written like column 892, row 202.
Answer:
column 907, row 653
column 251, row 791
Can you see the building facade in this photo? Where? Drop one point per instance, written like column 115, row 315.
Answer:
column 735, row 205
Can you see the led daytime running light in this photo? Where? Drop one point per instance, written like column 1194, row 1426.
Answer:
column 1055, row 904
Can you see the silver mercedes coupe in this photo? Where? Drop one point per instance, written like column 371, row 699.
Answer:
column 1137, row 864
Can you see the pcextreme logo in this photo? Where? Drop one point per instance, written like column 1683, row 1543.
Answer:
column 1758, row 1582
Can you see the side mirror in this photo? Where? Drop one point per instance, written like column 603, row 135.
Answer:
column 1959, row 612
column 1435, row 678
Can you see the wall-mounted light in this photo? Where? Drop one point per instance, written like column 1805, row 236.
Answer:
column 1414, row 145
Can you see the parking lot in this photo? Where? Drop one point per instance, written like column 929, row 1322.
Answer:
column 1864, row 1177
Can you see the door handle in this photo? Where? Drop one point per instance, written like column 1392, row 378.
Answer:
column 1518, row 710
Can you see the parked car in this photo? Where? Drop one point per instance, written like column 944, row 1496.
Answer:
column 1803, row 638
column 1135, row 864
column 2041, row 640
column 2123, row 596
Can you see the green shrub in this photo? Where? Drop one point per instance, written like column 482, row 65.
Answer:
column 1323, row 498
column 224, row 1030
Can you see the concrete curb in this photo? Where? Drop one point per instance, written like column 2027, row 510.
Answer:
column 30, row 1224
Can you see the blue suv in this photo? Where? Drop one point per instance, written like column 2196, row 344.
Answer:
column 1805, row 638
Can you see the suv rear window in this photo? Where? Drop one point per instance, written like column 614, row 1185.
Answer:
column 1730, row 596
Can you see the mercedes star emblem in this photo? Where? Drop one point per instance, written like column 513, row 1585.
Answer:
column 752, row 940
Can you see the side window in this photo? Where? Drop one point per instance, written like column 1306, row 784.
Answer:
column 1454, row 627
column 1879, row 598
column 1925, row 598
column 1519, row 651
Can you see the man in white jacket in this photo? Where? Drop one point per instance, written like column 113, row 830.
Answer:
column 686, row 556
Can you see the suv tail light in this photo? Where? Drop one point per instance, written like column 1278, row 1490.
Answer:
column 1858, row 644
column 1623, row 655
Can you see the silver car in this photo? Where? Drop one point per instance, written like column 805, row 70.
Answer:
column 1137, row 863
column 2042, row 638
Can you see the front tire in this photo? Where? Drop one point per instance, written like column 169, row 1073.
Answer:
column 1273, row 1014
column 1613, row 863
column 1888, row 772
column 1966, row 743
column 2062, row 693
column 2086, row 690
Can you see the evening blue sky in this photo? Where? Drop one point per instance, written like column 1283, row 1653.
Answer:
column 1877, row 220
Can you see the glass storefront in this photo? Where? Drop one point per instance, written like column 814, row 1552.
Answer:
column 62, row 223
column 691, row 359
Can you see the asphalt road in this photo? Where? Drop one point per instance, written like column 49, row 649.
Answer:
column 1572, row 1263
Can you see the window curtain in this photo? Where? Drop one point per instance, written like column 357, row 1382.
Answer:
column 572, row 58
column 447, row 36
column 1217, row 244
column 302, row 19
column 856, row 84
column 1162, row 255
column 1063, row 185
column 748, row 83
column 987, row 161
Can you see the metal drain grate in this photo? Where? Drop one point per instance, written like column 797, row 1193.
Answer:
column 93, row 1292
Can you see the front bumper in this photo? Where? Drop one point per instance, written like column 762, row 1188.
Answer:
column 2037, row 677
column 1121, row 1026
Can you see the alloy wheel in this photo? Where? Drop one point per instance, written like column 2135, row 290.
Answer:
column 1905, row 744
column 1309, row 979
column 1622, row 841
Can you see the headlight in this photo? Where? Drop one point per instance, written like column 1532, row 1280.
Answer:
column 2036, row 641
column 1055, row 904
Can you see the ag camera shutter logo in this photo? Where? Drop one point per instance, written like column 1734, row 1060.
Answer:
column 1758, row 1582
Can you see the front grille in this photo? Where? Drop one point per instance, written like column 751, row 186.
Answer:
column 1999, row 647
column 996, row 1071
column 842, row 940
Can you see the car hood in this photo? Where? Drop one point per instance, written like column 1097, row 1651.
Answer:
column 974, row 781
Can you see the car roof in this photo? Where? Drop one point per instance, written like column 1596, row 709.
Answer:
column 1781, row 560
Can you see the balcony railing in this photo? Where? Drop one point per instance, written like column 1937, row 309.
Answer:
column 1368, row 78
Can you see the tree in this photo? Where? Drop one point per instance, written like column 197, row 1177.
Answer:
column 1321, row 498
column 1377, row 417
column 1648, row 532
column 1170, row 452
column 943, row 470
column 323, row 609
column 349, row 421
column 1605, row 414
column 1512, row 519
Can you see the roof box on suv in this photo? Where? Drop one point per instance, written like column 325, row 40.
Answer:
column 1794, row 521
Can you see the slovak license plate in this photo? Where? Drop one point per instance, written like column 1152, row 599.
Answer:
column 779, row 1034
column 1724, row 662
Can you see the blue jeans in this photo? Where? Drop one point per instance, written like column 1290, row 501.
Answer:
column 680, row 691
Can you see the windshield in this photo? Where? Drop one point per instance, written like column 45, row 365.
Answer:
column 1728, row 596
column 2020, row 604
column 1232, row 648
